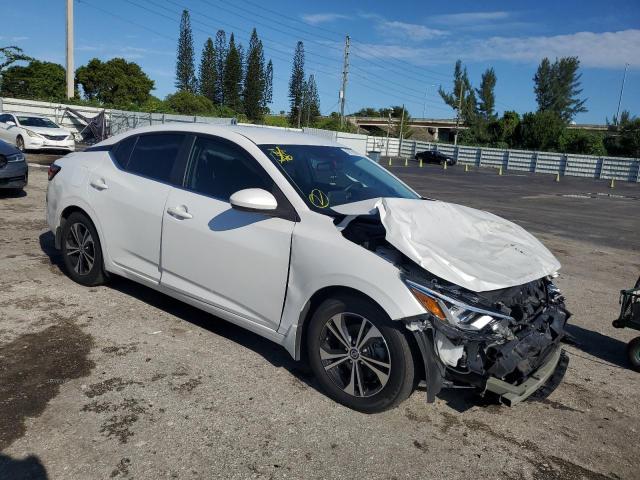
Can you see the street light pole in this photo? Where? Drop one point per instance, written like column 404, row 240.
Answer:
column 624, row 77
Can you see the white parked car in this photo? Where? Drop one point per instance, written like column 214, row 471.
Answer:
column 315, row 247
column 30, row 132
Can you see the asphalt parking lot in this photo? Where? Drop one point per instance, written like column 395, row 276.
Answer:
column 123, row 382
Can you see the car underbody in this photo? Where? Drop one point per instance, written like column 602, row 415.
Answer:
column 512, row 349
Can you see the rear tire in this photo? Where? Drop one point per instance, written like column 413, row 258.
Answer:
column 633, row 353
column 377, row 370
column 81, row 251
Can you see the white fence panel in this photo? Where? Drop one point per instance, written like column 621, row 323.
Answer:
column 491, row 157
column 547, row 162
column 521, row 160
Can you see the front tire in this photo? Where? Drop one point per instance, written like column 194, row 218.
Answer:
column 359, row 357
column 81, row 251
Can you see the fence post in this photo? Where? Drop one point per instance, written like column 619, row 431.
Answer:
column 535, row 162
column 456, row 154
column 601, row 162
column 506, row 160
column 479, row 158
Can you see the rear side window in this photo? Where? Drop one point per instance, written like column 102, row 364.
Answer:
column 123, row 151
column 154, row 156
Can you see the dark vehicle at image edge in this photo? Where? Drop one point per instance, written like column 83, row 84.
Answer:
column 433, row 156
column 14, row 172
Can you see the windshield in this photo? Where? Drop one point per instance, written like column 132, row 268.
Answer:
column 36, row 122
column 329, row 176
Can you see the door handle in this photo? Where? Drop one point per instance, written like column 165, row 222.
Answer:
column 99, row 184
column 179, row 212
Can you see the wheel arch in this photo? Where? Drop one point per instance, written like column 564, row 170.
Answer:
column 64, row 215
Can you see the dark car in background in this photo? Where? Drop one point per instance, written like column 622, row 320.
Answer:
column 433, row 156
column 14, row 172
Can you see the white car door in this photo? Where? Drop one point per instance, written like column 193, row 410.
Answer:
column 129, row 195
column 233, row 260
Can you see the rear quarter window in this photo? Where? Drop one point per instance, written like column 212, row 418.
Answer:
column 122, row 151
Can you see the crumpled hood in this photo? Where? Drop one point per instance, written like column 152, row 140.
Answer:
column 476, row 250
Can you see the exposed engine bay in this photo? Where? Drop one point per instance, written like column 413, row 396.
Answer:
column 468, row 337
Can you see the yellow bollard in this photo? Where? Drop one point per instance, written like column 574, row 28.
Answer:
column 406, row 161
column 557, row 177
column 421, row 163
column 389, row 161
column 613, row 183
column 500, row 171
column 444, row 165
column 466, row 168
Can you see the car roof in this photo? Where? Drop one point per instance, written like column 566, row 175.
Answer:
column 260, row 135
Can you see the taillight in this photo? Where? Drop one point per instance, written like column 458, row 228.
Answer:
column 53, row 170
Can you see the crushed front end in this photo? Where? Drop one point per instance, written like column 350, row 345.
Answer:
column 503, row 341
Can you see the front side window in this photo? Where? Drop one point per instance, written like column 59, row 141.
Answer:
column 327, row 176
column 36, row 122
column 154, row 156
column 218, row 168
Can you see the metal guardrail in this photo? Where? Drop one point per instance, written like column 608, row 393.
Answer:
column 627, row 169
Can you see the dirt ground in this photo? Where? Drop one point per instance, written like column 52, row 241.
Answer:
column 122, row 382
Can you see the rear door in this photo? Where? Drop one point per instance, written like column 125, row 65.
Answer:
column 233, row 260
column 129, row 194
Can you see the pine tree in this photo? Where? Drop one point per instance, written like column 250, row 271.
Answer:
column 557, row 87
column 254, row 85
column 296, row 85
column 268, row 86
column 543, row 85
column 208, row 80
column 220, row 60
column 185, row 67
column 461, row 88
column 311, row 101
column 233, row 77
column 486, row 94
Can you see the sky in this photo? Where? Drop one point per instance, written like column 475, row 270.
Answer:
column 400, row 51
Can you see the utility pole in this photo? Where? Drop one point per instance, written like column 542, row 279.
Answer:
column 424, row 105
column 455, row 139
column 70, row 69
column 400, row 135
column 624, row 77
column 345, row 72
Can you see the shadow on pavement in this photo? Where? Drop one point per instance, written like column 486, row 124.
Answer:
column 600, row 346
column 272, row 352
column 12, row 193
column 31, row 468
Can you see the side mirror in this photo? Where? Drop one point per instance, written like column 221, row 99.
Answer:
column 253, row 200
column 11, row 123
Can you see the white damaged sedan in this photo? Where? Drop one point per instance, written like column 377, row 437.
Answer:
column 319, row 249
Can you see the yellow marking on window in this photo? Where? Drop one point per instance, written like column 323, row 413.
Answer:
column 280, row 155
column 318, row 198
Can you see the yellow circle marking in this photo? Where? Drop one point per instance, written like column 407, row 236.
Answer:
column 318, row 198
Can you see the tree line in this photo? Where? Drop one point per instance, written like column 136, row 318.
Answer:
column 557, row 89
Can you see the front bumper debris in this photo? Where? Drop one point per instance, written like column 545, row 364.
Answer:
column 511, row 394
column 512, row 368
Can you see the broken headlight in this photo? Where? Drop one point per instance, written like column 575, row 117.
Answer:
column 457, row 313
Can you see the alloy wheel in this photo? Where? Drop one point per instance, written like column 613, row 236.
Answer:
column 355, row 354
column 20, row 144
column 80, row 248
